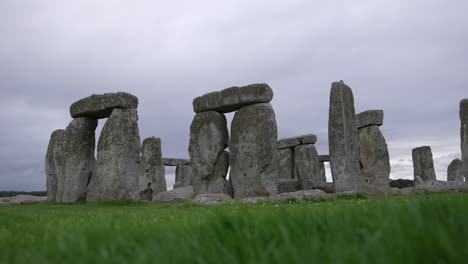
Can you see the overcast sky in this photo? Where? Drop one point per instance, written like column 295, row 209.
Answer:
column 408, row 58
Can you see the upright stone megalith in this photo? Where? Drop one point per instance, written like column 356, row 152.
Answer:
column 183, row 176
column 118, row 158
column 423, row 163
column 152, row 177
column 208, row 139
column 307, row 167
column 50, row 166
column 254, row 156
column 454, row 171
column 464, row 136
column 343, row 139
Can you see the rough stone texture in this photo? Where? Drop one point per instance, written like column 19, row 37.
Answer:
column 303, row 194
column 233, row 99
column 118, row 158
column 215, row 182
column 286, row 163
column 296, row 141
column 369, row 118
column 152, row 177
column 101, row 105
column 418, row 180
column 307, row 167
column 454, row 171
column 183, row 176
column 254, row 156
column 212, row 198
column 324, row 158
column 75, row 159
column 464, row 136
column 50, row 167
column 176, row 195
column 328, row 187
column 375, row 159
column 175, row 162
column 423, row 163
column 403, row 191
column 441, row 186
column 288, row 185
column 343, row 139
column 323, row 174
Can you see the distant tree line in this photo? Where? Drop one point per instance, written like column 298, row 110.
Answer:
column 13, row 193
column 401, row 183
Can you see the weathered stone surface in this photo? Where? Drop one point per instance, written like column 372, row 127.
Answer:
column 323, row 174
column 403, row 191
column 324, row 158
column 375, row 159
column 286, row 163
column 118, row 159
column 288, row 185
column 233, row 99
column 307, row 167
column 212, row 198
column 343, row 139
column 171, row 162
column 296, row 141
column 464, row 136
column 75, row 161
column 176, row 195
column 303, row 194
column 152, row 176
column 328, row 187
column 369, row 118
column 215, row 182
column 441, row 186
column 454, row 171
column 50, row 167
column 254, row 156
column 423, row 163
column 101, row 105
column 183, row 176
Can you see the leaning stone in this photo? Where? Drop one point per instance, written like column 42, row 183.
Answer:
column 369, row 118
column 254, row 156
column 170, row 162
column 183, row 176
column 423, row 163
column 464, row 136
column 102, row 105
column 324, row 158
column 118, row 158
column 307, row 167
column 441, row 186
column 296, row 141
column 212, row 198
column 177, row 195
column 288, row 185
column 50, row 166
column 152, row 177
column 285, row 163
column 233, row 99
column 454, row 172
column 343, row 139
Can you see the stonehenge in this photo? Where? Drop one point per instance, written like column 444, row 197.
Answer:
column 152, row 173
column 464, row 136
column 50, row 168
column 102, row 105
column 454, row 171
column 423, row 163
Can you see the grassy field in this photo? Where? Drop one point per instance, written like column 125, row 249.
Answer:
column 405, row 229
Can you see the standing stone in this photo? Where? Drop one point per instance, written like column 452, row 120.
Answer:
column 50, row 166
column 307, row 167
column 454, row 171
column 343, row 139
column 75, row 159
column 183, row 176
column 285, row 163
column 118, row 157
column 423, row 163
column 152, row 178
column 464, row 136
column 323, row 174
column 254, row 156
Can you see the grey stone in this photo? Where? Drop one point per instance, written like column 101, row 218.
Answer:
column 464, row 136
column 183, row 176
column 50, row 166
column 215, row 182
column 418, row 180
column 286, row 163
column 288, row 185
column 118, row 159
column 152, row 176
column 212, row 198
column 296, row 141
column 171, row 162
column 19, row 199
column 75, row 159
column 375, row 159
column 423, row 163
column 441, row 186
column 233, row 99
column 254, row 156
column 403, row 191
column 369, row 118
column 303, row 194
column 307, row 167
column 454, row 172
column 176, row 195
column 324, row 158
column 102, row 105
column 343, row 139
column 322, row 169
column 328, row 187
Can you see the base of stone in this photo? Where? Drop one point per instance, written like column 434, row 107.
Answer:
column 288, row 185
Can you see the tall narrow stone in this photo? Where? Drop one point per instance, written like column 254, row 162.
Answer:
column 423, row 163
column 343, row 139
column 118, row 158
column 454, row 171
column 307, row 167
column 183, row 176
column 464, row 136
column 254, row 156
column 50, row 166
column 286, row 163
column 216, row 182
column 152, row 177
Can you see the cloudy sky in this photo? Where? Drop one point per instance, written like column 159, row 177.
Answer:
column 406, row 57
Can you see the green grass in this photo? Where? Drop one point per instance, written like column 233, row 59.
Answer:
column 404, row 229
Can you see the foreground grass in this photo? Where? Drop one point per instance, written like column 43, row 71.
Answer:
column 410, row 229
